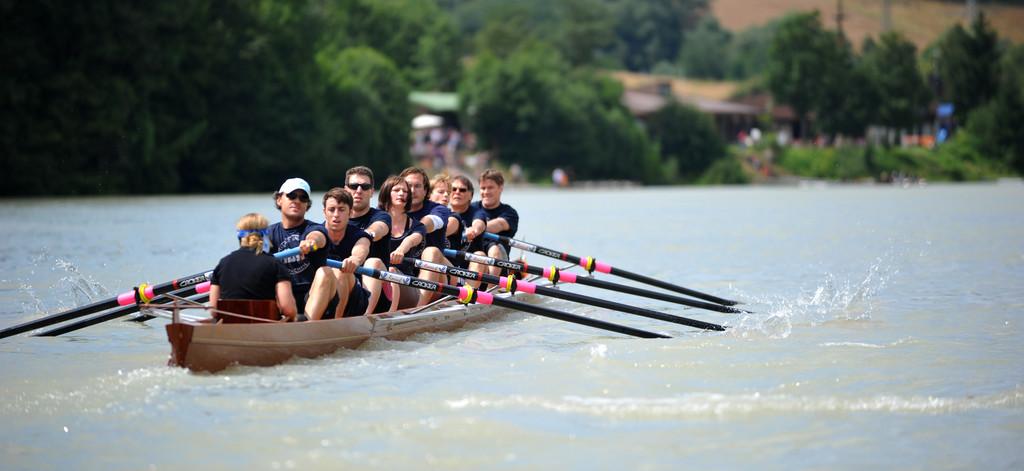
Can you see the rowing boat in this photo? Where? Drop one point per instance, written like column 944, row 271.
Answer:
column 209, row 347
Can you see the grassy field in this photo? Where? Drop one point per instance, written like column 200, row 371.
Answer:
column 922, row 21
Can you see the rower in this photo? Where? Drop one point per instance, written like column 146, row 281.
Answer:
column 440, row 192
column 434, row 217
column 405, row 239
column 350, row 245
column 377, row 223
column 497, row 217
column 313, row 283
column 461, row 195
column 250, row 273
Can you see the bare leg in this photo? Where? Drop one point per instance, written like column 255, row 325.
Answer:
column 431, row 254
column 497, row 252
column 345, row 283
column 373, row 285
column 320, row 293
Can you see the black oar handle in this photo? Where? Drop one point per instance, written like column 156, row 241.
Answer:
column 469, row 295
column 591, row 264
column 556, row 293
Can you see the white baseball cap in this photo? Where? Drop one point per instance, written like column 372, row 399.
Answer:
column 293, row 184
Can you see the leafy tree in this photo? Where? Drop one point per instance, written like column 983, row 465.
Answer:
column 968, row 65
column 891, row 65
column 999, row 124
column 749, row 51
column 801, row 52
column 847, row 101
column 687, row 138
column 705, row 50
column 651, row 31
column 586, row 29
column 532, row 109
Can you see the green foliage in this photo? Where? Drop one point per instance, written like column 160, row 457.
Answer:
column 725, row 171
column 651, row 31
column 956, row 160
column 800, row 52
column 749, row 51
column 847, row 101
column 891, row 66
column 705, row 51
column 686, row 137
column 968, row 64
column 533, row 110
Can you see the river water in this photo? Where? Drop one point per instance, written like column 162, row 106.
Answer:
column 888, row 332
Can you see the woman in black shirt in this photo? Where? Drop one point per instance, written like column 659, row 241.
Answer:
column 250, row 272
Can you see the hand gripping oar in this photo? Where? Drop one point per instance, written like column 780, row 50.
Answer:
column 591, row 264
column 468, row 295
column 555, row 275
column 201, row 288
column 138, row 295
column 511, row 284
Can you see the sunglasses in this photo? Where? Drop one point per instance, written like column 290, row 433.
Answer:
column 359, row 186
column 459, row 189
column 295, row 195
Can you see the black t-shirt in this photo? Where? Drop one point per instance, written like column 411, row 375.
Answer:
column 244, row 275
column 302, row 269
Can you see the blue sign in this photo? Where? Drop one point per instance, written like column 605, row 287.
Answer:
column 944, row 110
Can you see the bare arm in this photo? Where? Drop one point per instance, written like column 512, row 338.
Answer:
column 403, row 248
column 315, row 239
column 359, row 253
column 453, row 225
column 478, row 227
column 497, row 225
column 214, row 297
column 379, row 230
column 285, row 299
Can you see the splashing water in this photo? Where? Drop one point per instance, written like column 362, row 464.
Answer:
column 84, row 288
column 834, row 299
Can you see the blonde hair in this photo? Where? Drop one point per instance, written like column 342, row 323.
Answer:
column 252, row 240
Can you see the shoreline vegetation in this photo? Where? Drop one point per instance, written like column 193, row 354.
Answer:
column 204, row 97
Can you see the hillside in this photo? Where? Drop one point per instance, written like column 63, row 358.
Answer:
column 922, row 21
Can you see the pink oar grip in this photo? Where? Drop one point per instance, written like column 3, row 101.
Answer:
column 524, row 286
column 127, row 298
column 203, row 287
column 566, row 277
column 603, row 267
column 483, row 297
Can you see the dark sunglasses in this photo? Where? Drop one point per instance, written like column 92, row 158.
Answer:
column 459, row 189
column 303, row 197
column 359, row 186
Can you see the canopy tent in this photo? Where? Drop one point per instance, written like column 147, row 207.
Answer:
column 425, row 121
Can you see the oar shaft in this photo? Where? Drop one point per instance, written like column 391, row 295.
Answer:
column 469, row 295
column 505, row 283
column 114, row 314
column 591, row 264
column 556, row 275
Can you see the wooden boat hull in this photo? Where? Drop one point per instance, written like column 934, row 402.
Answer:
column 213, row 347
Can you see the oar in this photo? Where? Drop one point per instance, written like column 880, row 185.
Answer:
column 555, row 275
column 201, row 289
column 468, row 295
column 591, row 264
column 511, row 285
column 138, row 295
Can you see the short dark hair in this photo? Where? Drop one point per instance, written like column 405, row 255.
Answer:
column 359, row 170
column 494, row 176
column 384, row 198
column 340, row 195
column 421, row 173
column 465, row 181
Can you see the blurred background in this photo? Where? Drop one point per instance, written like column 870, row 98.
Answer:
column 200, row 96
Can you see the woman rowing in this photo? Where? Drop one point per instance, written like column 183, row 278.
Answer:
column 408, row 239
column 252, row 273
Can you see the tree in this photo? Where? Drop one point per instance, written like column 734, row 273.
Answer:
column 705, row 51
column 847, row 100
column 651, row 31
column 800, row 54
column 999, row 124
column 902, row 93
column 687, row 138
column 968, row 65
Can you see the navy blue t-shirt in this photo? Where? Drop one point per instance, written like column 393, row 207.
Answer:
column 343, row 249
column 412, row 226
column 301, row 269
column 468, row 216
column 378, row 248
column 501, row 211
column 436, row 238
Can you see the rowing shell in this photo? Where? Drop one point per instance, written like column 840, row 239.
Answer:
column 213, row 347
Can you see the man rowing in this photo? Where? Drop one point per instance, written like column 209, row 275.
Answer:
column 313, row 283
column 377, row 223
column 434, row 218
column 460, row 202
column 496, row 216
column 351, row 246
